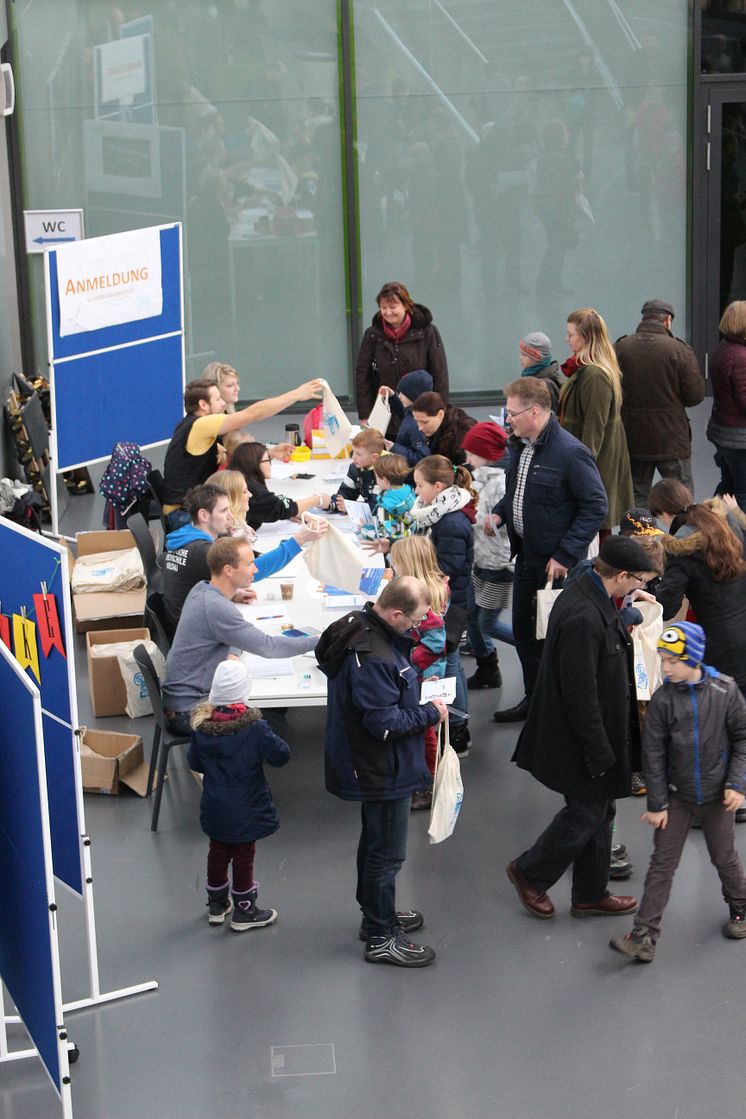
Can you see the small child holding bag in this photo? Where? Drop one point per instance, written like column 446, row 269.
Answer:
column 230, row 743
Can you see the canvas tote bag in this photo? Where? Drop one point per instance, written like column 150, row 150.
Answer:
column 380, row 416
column 334, row 423
column 334, row 558
column 545, row 600
column 648, row 674
column 448, row 789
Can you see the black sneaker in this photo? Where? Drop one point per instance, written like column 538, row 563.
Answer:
column 638, row 945
column 513, row 714
column 409, row 921
column 398, row 950
column 639, row 787
column 460, row 738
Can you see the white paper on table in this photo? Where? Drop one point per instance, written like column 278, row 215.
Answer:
column 438, row 689
column 359, row 513
column 263, row 668
column 285, row 469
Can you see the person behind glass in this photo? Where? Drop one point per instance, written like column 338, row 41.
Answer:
column 229, row 385
column 535, row 356
column 590, row 408
column 230, row 744
column 254, row 462
column 554, row 504
column 408, row 440
column 581, row 737
column 492, row 573
column 727, row 425
column 401, row 338
column 446, row 510
column 374, row 753
column 443, row 426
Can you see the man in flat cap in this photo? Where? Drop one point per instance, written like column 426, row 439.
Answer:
column 660, row 380
column 582, row 736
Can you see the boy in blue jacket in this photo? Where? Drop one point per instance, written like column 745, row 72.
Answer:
column 694, row 760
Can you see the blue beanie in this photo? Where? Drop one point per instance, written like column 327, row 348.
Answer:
column 686, row 641
column 415, row 383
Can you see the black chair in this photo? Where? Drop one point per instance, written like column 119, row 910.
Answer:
column 163, row 739
column 146, row 547
column 157, row 622
column 155, row 481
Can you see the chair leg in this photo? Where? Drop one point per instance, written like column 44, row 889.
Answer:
column 153, row 758
column 162, row 763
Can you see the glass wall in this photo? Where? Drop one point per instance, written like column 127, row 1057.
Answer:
column 518, row 159
column 223, row 116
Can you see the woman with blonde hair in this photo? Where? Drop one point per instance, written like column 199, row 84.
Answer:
column 233, row 483
column 590, row 407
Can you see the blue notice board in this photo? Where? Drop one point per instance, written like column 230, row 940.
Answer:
column 28, row 560
column 26, row 960
column 118, row 383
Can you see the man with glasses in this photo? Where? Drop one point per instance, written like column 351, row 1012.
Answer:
column 375, row 753
column 554, row 504
column 582, row 737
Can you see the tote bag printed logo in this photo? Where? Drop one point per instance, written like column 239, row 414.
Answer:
column 107, row 281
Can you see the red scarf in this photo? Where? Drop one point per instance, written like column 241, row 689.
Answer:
column 570, row 366
column 396, row 333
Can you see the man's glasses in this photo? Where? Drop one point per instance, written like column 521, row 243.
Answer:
column 415, row 621
column 512, row 415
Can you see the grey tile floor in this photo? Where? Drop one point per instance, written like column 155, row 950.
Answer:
column 516, row 1019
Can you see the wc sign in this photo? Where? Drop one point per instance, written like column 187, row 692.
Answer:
column 48, row 229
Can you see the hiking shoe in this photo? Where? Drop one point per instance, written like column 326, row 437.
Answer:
column 637, row 945
column 736, row 927
column 398, row 950
column 409, row 921
column 619, row 869
column 639, row 788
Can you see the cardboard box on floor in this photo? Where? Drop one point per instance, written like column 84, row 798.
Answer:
column 104, row 609
column 109, row 760
column 107, row 688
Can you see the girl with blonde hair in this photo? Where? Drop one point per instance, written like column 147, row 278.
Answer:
column 590, row 408
column 233, row 483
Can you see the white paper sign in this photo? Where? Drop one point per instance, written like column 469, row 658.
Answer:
column 106, row 281
column 359, row 513
column 438, row 689
column 122, row 69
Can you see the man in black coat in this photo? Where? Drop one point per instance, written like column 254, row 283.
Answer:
column 582, row 736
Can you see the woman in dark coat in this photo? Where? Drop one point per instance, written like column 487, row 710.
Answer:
column 443, row 426
column 727, row 426
column 401, row 338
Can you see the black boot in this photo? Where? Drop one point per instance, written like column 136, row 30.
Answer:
column 220, row 904
column 460, row 738
column 487, row 674
column 513, row 714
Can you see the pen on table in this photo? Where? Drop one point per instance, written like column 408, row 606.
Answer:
column 268, row 617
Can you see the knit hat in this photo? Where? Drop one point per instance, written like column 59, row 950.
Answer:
column 685, row 641
column 536, row 345
column 486, row 440
column 639, row 522
column 624, row 554
column 656, row 307
column 415, row 383
column 230, row 684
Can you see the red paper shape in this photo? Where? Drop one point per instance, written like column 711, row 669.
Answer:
column 5, row 630
column 48, row 623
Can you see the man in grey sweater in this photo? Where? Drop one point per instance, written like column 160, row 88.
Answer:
column 211, row 628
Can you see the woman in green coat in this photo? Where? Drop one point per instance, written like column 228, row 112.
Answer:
column 590, row 406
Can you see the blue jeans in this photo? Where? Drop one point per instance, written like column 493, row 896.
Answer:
column 380, row 853
column 484, row 625
column 579, row 835
column 461, row 702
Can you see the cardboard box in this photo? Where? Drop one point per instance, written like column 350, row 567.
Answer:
column 104, row 609
column 108, row 693
column 108, row 760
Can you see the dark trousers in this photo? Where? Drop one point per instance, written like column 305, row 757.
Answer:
column 579, row 835
column 219, row 858
column 529, row 577
column 381, row 851
column 643, row 471
column 718, row 828
column 732, row 465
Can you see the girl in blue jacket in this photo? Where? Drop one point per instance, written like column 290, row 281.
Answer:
column 230, row 743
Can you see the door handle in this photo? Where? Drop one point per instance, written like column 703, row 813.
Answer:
column 9, row 89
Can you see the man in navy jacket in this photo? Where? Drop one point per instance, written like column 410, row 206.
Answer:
column 375, row 753
column 554, row 504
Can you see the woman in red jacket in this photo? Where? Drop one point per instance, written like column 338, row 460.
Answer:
column 727, row 426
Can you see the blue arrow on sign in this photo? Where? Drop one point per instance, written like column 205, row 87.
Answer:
column 47, row 240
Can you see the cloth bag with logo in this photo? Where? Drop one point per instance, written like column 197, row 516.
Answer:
column 334, row 558
column 334, row 423
column 645, row 636
column 448, row 789
column 380, row 415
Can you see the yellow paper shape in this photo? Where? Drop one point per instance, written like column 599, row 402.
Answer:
column 24, row 644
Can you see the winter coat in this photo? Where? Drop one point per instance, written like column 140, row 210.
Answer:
column 552, row 378
column 359, row 485
column 727, row 370
column 587, row 410
column 409, row 441
column 448, row 522
column 267, row 507
column 694, row 741
column 374, row 722
column 490, row 552
column 564, row 503
column 382, row 361
column 660, row 379
column 429, row 648
column 719, row 606
column 236, row 804
column 582, row 721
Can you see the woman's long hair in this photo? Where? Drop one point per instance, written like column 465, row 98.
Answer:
column 597, row 349
column 721, row 548
column 455, row 423
column 416, row 555
column 247, row 458
column 232, row 483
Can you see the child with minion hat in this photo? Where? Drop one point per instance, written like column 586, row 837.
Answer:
column 694, row 757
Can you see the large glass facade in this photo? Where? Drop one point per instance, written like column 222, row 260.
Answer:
column 515, row 159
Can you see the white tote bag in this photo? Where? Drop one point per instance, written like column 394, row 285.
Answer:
column 380, row 415
column 334, row 559
column 545, row 600
column 648, row 674
column 334, row 423
column 448, row 790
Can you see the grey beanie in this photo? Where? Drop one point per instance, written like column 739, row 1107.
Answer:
column 536, row 345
